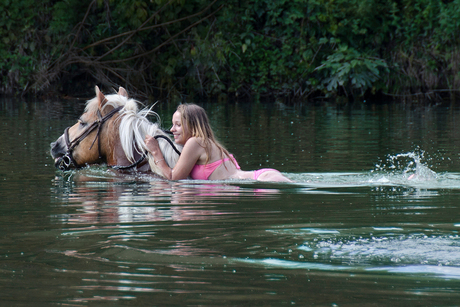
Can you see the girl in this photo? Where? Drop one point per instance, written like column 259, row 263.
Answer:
column 202, row 156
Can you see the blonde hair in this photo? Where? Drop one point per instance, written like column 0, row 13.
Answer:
column 195, row 121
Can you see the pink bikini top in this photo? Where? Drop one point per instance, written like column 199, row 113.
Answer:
column 203, row 171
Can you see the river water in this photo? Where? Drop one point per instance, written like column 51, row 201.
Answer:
column 371, row 219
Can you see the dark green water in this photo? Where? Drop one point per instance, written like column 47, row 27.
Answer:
column 352, row 230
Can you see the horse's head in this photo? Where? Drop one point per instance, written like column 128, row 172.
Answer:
column 112, row 131
column 81, row 143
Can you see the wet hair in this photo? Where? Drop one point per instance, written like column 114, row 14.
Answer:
column 195, row 121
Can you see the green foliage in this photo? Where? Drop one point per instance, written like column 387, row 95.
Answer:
column 19, row 47
column 266, row 45
column 257, row 47
column 346, row 68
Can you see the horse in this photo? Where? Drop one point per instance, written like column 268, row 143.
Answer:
column 114, row 122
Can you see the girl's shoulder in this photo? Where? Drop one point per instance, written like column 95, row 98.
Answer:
column 195, row 140
column 195, row 144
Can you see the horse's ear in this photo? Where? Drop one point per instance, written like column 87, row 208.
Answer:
column 100, row 97
column 122, row 92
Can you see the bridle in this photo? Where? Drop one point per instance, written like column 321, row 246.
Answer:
column 67, row 160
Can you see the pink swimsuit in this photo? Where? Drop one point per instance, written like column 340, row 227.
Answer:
column 203, row 171
column 261, row 171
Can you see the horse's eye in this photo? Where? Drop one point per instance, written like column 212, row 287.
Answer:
column 82, row 123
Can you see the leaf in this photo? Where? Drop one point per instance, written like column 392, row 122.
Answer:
column 169, row 70
column 323, row 41
column 333, row 81
column 307, row 55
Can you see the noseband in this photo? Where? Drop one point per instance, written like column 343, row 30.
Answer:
column 67, row 160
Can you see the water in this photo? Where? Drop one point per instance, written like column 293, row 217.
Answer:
column 371, row 219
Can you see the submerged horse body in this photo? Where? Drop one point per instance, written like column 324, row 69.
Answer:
column 112, row 130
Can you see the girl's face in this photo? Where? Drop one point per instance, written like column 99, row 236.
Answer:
column 180, row 134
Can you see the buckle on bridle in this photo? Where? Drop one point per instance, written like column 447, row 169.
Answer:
column 65, row 162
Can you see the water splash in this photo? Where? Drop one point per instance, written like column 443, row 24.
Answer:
column 411, row 166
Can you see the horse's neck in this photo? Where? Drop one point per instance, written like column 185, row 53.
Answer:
column 117, row 156
column 112, row 149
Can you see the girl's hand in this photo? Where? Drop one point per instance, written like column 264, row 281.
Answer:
column 152, row 144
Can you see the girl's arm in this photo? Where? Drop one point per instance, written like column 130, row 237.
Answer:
column 187, row 160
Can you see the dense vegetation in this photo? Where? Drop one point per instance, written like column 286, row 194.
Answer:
column 284, row 48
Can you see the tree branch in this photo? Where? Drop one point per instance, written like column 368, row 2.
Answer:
column 165, row 42
column 147, row 28
column 133, row 32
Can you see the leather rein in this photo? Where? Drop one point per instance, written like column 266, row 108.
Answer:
column 66, row 161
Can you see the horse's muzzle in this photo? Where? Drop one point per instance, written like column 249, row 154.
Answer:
column 62, row 158
column 57, row 149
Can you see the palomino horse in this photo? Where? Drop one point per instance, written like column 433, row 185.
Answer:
column 119, row 129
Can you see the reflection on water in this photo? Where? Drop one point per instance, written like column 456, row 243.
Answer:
column 353, row 229
column 120, row 199
column 101, row 197
column 104, row 196
column 154, row 230
column 385, row 246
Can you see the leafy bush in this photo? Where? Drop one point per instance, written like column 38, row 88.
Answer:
column 346, row 68
column 175, row 48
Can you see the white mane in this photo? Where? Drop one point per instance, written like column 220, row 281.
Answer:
column 134, row 126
